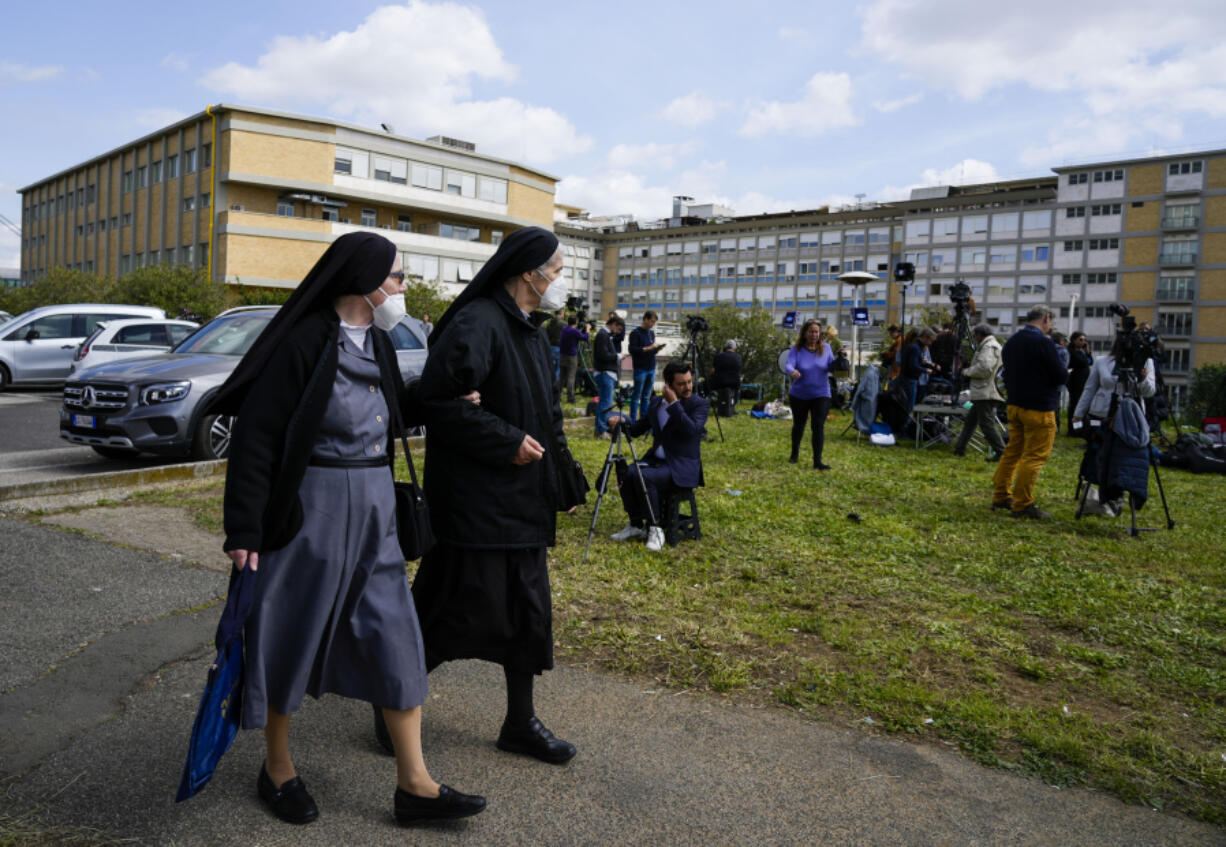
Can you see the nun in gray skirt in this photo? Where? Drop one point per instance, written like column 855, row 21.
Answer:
column 309, row 504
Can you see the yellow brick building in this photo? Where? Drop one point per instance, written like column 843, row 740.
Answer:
column 256, row 196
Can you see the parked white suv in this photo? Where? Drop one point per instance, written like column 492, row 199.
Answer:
column 38, row 346
column 128, row 339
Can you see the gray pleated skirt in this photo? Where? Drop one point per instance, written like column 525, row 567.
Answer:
column 332, row 611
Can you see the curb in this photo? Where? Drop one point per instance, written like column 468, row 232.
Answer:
column 165, row 473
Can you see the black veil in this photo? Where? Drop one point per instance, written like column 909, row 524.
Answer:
column 523, row 250
column 355, row 263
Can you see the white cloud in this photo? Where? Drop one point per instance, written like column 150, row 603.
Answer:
column 888, row 106
column 825, row 104
column 412, row 66
column 158, row 118
column 623, row 192
column 794, row 35
column 174, row 61
column 1081, row 138
column 1117, row 56
column 966, row 172
column 650, row 155
column 693, row 109
column 19, row 72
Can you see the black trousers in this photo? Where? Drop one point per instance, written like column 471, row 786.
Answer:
column 802, row 409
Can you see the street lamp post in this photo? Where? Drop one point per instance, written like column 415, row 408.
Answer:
column 856, row 279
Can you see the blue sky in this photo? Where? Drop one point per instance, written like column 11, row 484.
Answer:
column 764, row 107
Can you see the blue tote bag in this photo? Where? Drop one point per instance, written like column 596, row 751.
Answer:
column 221, row 705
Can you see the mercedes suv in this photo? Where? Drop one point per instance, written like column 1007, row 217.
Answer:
column 157, row 404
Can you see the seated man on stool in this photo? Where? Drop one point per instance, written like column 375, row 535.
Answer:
column 676, row 420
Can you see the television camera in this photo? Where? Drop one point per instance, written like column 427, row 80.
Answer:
column 1138, row 345
column 577, row 303
column 695, row 324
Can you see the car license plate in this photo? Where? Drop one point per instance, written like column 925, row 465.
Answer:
column 85, row 421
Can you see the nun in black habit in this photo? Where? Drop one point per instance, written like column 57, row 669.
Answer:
column 309, row 504
column 483, row 591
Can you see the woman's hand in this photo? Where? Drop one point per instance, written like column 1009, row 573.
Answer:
column 473, row 397
column 530, row 450
column 795, row 374
column 243, row 558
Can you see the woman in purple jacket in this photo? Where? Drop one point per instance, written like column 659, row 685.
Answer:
column 808, row 364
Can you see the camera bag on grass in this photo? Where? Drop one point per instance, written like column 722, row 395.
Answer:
column 412, row 512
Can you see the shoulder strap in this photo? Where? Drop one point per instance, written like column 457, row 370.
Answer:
column 404, row 441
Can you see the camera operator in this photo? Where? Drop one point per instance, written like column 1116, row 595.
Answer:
column 1095, row 402
column 676, row 420
column 606, row 362
column 984, row 394
column 643, row 349
column 568, row 349
column 726, row 377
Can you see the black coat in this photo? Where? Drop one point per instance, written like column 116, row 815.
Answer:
column 478, row 497
column 275, row 431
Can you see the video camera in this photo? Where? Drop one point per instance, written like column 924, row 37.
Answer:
column 577, row 303
column 1137, row 345
column 959, row 294
column 696, row 324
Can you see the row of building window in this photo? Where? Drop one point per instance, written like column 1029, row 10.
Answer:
column 363, row 164
column 1112, row 175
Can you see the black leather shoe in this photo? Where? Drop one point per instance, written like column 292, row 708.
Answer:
column 448, row 805
column 381, row 734
column 534, row 739
column 821, row 466
column 291, row 802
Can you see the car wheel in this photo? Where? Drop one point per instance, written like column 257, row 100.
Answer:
column 212, row 437
column 113, row 452
column 4, row 377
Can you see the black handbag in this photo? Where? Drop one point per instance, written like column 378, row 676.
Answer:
column 572, row 482
column 412, row 512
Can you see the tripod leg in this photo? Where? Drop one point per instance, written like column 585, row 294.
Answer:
column 1170, row 522
column 651, row 515
column 604, row 486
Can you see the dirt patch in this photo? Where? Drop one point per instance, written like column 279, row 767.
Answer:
column 161, row 529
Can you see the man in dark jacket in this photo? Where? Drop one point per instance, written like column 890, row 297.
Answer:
column 606, row 363
column 676, row 420
column 1033, row 376
column 643, row 349
column 572, row 334
column 726, row 377
column 490, row 479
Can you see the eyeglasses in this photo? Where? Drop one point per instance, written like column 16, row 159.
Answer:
column 397, row 275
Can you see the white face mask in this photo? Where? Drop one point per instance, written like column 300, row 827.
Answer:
column 388, row 313
column 555, row 295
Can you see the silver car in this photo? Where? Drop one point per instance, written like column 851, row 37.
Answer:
column 129, row 338
column 156, row 404
column 37, row 346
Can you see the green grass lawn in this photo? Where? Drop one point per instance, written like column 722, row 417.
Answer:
column 1063, row 648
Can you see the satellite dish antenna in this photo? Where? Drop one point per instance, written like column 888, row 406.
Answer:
column 388, row 128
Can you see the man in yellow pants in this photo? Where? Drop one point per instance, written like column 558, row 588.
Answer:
column 1033, row 376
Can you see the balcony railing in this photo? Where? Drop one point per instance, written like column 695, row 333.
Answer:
column 1179, row 294
column 1174, row 330
column 1176, row 258
column 1170, row 222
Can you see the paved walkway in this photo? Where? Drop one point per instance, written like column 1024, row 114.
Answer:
column 102, row 660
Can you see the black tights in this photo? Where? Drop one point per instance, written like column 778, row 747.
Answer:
column 819, row 408
column 519, row 696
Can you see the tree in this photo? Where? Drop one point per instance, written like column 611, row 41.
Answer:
column 758, row 339
column 935, row 316
column 1207, row 392
column 258, row 295
column 425, row 298
column 175, row 289
column 58, row 285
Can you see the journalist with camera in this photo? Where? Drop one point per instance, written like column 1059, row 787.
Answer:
column 725, row 379
column 643, row 350
column 676, row 420
column 1131, row 360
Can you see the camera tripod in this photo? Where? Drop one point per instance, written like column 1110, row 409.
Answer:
column 693, row 355
column 590, row 381
column 602, row 479
column 1126, row 388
